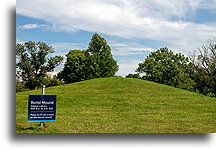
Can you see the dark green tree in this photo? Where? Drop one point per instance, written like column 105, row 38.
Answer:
column 74, row 68
column 95, row 62
column 136, row 75
column 32, row 62
column 20, row 86
column 204, row 67
column 163, row 66
column 100, row 58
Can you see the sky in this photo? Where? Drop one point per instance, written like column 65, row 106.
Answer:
column 132, row 28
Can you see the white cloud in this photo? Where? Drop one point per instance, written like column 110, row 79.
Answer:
column 207, row 4
column 68, row 46
column 169, row 21
column 31, row 26
column 150, row 19
column 121, row 49
column 128, row 67
column 62, row 48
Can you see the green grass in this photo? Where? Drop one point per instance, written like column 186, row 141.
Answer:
column 121, row 105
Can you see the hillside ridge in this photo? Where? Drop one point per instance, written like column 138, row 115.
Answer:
column 122, row 105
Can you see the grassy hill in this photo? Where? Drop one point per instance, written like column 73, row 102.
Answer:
column 121, row 105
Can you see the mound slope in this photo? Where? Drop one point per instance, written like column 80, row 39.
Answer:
column 121, row 105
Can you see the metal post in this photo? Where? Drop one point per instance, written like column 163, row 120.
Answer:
column 43, row 90
column 42, row 124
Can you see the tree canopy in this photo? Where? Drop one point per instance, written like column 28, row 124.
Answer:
column 136, row 75
column 100, row 57
column 95, row 62
column 163, row 66
column 74, row 67
column 32, row 62
column 204, row 67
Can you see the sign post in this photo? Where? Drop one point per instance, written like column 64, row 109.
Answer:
column 43, row 90
column 42, row 124
column 42, row 108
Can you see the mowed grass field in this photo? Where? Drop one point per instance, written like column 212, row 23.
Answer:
column 121, row 105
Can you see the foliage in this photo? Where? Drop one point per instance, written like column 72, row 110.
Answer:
column 55, row 82
column 48, row 81
column 121, row 105
column 182, row 80
column 204, row 66
column 32, row 62
column 20, row 86
column 136, row 75
column 163, row 66
column 95, row 62
column 100, row 58
column 74, row 68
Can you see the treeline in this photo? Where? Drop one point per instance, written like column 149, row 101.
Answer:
column 94, row 62
column 193, row 73
column 33, row 64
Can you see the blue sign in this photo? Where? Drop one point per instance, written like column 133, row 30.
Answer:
column 42, row 108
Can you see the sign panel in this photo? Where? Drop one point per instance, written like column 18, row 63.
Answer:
column 42, row 108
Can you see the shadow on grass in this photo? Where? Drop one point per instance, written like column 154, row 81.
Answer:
column 19, row 129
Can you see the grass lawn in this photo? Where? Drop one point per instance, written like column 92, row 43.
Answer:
column 121, row 105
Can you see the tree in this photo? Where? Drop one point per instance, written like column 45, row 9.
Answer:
column 51, row 81
column 136, row 75
column 204, row 67
column 20, row 86
column 163, row 66
column 95, row 62
column 74, row 68
column 32, row 62
column 100, row 58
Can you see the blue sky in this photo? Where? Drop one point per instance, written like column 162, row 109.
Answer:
column 132, row 28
